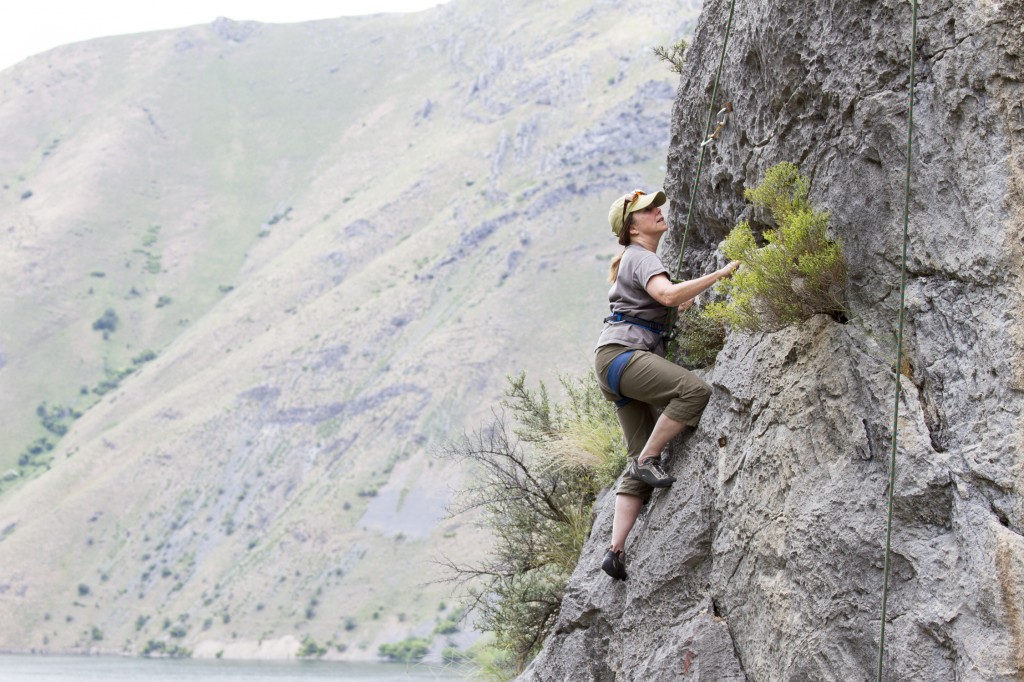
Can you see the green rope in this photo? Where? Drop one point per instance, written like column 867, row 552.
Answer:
column 707, row 131
column 899, row 348
column 673, row 312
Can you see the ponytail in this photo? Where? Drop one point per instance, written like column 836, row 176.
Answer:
column 613, row 272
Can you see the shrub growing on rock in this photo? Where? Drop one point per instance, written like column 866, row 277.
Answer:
column 698, row 339
column 801, row 272
column 538, row 479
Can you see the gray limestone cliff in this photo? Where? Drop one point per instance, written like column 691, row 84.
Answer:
column 764, row 561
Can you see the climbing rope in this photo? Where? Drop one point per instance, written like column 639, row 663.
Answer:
column 708, row 135
column 899, row 347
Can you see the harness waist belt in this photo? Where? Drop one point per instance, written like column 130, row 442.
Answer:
column 650, row 325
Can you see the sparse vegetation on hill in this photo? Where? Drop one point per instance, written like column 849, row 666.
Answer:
column 409, row 650
column 107, row 322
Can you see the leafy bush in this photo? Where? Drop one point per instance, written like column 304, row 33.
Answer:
column 537, row 484
column 674, row 55
column 449, row 625
column 310, row 649
column 156, row 648
column 106, row 322
column 52, row 418
column 409, row 650
column 698, row 339
column 144, row 357
column 801, row 272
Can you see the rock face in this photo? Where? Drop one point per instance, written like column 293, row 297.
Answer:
column 764, row 561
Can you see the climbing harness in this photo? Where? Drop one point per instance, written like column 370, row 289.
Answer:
column 615, row 376
column 899, row 346
column 649, row 325
column 619, row 363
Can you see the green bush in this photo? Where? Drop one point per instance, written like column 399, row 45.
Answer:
column 52, row 418
column 581, row 438
column 801, row 272
column 310, row 649
column 154, row 647
column 538, row 480
column 409, row 650
column 698, row 339
column 449, row 625
column 673, row 55
column 157, row 648
column 106, row 322
column 144, row 357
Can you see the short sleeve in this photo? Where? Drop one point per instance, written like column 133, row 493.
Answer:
column 649, row 266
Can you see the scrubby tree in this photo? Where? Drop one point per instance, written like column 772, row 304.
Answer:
column 800, row 272
column 107, row 322
column 538, row 475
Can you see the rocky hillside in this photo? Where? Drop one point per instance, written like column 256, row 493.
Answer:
column 764, row 561
column 252, row 274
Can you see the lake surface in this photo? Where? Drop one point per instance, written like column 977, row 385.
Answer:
column 100, row 669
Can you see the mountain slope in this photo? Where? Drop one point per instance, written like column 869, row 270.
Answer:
column 324, row 246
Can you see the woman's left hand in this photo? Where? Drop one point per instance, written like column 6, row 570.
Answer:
column 727, row 271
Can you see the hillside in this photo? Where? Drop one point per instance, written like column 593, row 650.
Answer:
column 250, row 275
column 764, row 561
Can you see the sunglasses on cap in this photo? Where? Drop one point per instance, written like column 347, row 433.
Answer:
column 629, row 201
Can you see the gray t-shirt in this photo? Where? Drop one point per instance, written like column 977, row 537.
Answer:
column 629, row 296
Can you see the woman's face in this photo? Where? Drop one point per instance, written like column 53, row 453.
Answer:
column 648, row 222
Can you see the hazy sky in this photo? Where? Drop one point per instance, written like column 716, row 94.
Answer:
column 32, row 26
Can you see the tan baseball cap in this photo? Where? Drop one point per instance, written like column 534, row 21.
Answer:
column 637, row 200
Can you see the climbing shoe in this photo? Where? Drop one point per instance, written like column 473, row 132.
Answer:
column 614, row 564
column 651, row 473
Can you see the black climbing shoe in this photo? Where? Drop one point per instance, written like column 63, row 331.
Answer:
column 614, row 564
column 651, row 473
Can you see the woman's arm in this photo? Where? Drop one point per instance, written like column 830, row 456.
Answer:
column 669, row 295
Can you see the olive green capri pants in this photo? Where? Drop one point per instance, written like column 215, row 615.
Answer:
column 650, row 381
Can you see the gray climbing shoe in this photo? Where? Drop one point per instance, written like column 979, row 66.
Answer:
column 614, row 564
column 651, row 473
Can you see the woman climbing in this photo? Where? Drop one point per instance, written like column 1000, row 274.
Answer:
column 631, row 364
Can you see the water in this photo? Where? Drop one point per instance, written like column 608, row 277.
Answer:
column 99, row 669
